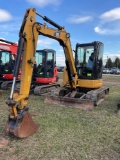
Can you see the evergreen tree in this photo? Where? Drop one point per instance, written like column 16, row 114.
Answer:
column 117, row 62
column 109, row 63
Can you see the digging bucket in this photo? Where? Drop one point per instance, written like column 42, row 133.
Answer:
column 21, row 127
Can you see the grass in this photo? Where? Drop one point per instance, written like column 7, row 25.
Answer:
column 67, row 133
column 113, row 77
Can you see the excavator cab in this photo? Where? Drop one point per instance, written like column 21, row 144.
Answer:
column 6, row 63
column 88, row 64
column 6, row 66
column 45, row 70
column 88, row 60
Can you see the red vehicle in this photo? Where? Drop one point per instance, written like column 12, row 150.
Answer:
column 45, row 71
column 8, row 52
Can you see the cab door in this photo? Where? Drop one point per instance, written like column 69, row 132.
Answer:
column 50, row 64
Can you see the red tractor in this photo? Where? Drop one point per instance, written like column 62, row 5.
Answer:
column 8, row 52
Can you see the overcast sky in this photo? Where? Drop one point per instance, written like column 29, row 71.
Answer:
column 86, row 21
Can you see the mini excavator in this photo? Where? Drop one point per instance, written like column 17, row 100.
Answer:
column 78, row 77
column 45, row 74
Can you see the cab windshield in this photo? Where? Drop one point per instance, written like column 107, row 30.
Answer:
column 40, row 58
column 83, row 55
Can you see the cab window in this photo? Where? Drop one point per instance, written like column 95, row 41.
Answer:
column 5, row 57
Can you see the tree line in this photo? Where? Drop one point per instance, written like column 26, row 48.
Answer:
column 110, row 63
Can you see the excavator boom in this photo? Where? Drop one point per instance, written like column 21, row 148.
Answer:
column 28, row 37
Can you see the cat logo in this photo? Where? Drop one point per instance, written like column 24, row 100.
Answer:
column 57, row 34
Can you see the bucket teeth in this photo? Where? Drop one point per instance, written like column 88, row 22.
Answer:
column 22, row 127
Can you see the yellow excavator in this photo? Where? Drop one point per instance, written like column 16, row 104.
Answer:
column 78, row 76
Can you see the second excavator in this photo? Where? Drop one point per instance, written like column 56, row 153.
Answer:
column 79, row 77
column 45, row 74
column 8, row 51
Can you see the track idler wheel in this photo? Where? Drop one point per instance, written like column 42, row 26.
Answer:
column 23, row 126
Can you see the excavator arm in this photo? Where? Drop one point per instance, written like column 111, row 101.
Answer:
column 64, row 39
column 20, row 122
